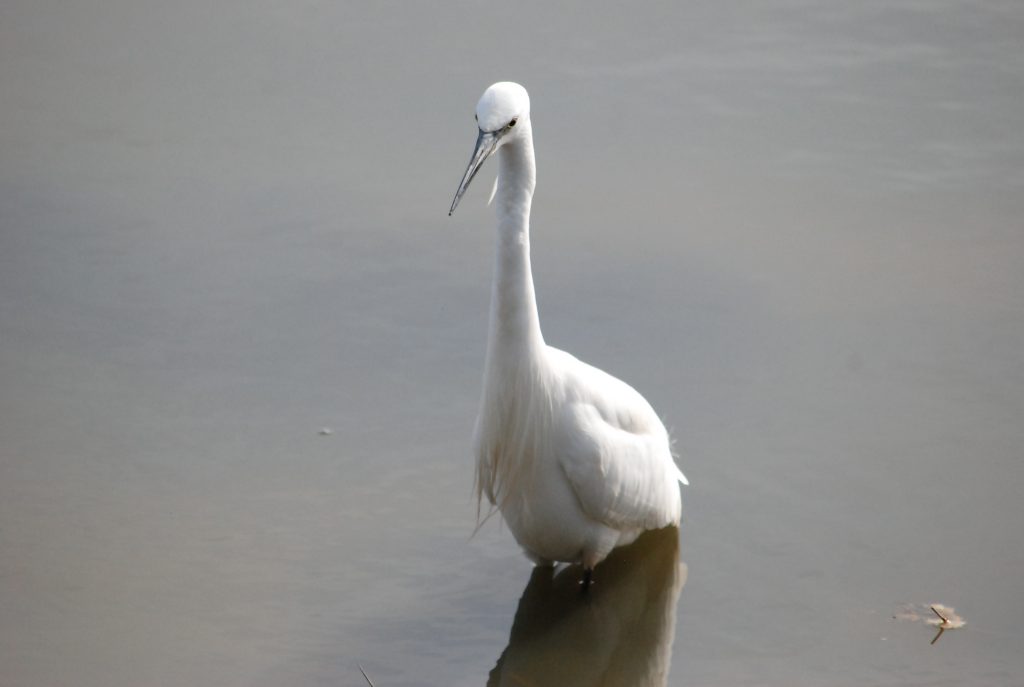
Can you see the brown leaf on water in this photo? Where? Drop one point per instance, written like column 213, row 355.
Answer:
column 936, row 615
column 946, row 617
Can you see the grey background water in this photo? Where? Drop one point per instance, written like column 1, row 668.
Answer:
column 795, row 227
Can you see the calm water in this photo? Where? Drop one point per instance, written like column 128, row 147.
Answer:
column 795, row 227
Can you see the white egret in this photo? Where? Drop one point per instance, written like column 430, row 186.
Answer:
column 576, row 460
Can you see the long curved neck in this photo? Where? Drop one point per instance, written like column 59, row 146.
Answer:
column 515, row 334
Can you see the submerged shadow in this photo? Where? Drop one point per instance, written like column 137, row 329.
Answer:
column 619, row 632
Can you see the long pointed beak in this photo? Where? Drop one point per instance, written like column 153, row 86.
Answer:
column 486, row 143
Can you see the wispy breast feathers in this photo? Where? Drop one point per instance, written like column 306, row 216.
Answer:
column 513, row 431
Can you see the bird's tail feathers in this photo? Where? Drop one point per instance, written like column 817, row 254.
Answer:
column 675, row 454
column 681, row 477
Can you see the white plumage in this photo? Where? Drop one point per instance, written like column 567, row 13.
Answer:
column 576, row 460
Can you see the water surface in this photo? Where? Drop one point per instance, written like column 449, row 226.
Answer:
column 795, row 227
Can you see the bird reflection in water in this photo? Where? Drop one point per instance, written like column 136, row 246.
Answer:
column 619, row 632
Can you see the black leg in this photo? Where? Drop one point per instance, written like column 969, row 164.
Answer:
column 588, row 577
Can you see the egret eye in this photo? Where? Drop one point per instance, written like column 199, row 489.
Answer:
column 513, row 122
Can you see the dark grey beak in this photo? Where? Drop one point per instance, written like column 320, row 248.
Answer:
column 486, row 143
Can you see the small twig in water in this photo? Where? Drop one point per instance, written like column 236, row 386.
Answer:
column 942, row 626
column 368, row 680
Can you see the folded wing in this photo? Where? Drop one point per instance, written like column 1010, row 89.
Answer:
column 615, row 451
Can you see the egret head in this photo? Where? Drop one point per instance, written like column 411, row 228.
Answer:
column 502, row 114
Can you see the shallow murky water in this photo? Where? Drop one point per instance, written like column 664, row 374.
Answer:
column 795, row 227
